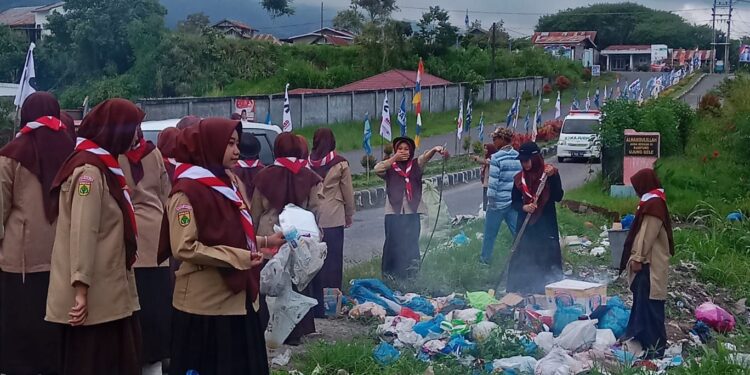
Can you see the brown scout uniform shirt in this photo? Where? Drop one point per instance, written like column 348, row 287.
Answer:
column 89, row 248
column 651, row 246
column 149, row 198
column 405, row 208
column 26, row 245
column 336, row 197
column 265, row 217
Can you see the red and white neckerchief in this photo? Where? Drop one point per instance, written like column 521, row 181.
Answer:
column 294, row 165
column 83, row 144
column 405, row 175
column 525, row 187
column 250, row 163
column 656, row 193
column 322, row 162
column 205, row 177
column 50, row 122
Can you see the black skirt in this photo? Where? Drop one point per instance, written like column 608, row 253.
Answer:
column 647, row 317
column 218, row 345
column 401, row 248
column 155, row 295
column 28, row 343
column 332, row 273
column 538, row 259
column 107, row 348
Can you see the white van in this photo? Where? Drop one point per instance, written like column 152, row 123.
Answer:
column 579, row 136
column 265, row 133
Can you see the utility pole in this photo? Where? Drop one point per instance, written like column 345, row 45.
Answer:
column 492, row 65
column 713, row 38
column 321, row 15
column 721, row 11
column 729, row 34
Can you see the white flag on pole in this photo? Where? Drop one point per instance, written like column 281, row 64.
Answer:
column 460, row 125
column 287, row 123
column 24, row 87
column 385, row 122
column 557, row 106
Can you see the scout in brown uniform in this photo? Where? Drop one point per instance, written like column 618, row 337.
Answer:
column 336, row 211
column 646, row 257
column 288, row 180
column 28, row 164
column 149, row 187
column 92, row 291
column 215, row 329
column 249, row 165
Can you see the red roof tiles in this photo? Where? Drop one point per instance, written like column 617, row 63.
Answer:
column 563, row 37
column 391, row 80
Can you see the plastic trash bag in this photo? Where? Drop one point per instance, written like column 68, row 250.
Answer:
column 604, row 340
column 735, row 217
column 470, row 316
column 519, row 364
column 385, row 354
column 422, row 305
column 627, row 221
column 367, row 310
column 460, row 239
column 545, row 340
column 564, row 315
column 424, row 328
column 431, row 197
column 715, row 317
column 482, row 330
column 557, row 362
column 307, row 259
column 616, row 317
column 286, row 311
column 274, row 277
column 578, row 336
column 458, row 345
column 480, row 300
column 301, row 219
column 372, row 290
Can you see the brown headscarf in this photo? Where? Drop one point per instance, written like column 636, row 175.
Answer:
column 70, row 124
column 282, row 186
column 217, row 217
column 533, row 178
column 167, row 144
column 324, row 155
column 395, row 184
column 42, row 151
column 188, row 121
column 304, row 147
column 111, row 125
column 644, row 182
column 137, row 153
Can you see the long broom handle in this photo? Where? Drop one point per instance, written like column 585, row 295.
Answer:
column 517, row 241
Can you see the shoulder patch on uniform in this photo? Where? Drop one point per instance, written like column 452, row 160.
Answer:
column 84, row 185
column 184, row 214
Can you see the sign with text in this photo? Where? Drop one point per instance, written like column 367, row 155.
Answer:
column 637, row 145
column 245, row 108
column 596, row 70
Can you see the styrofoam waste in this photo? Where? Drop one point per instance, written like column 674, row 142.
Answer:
column 519, row 364
column 282, row 359
column 598, row 251
column 545, row 340
column 604, row 339
column 482, row 330
column 578, row 335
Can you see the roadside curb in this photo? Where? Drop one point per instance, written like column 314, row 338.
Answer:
column 375, row 197
column 687, row 90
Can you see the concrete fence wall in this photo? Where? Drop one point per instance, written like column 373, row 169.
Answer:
column 323, row 109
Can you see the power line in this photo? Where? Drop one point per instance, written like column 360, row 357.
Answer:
column 544, row 14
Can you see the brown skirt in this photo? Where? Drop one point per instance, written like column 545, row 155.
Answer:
column 112, row 348
column 28, row 343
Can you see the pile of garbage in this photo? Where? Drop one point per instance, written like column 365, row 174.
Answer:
column 571, row 329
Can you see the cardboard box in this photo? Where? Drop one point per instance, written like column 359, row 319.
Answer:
column 574, row 292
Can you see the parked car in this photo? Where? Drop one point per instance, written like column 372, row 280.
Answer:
column 265, row 133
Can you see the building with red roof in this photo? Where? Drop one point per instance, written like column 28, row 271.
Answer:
column 32, row 21
column 394, row 79
column 574, row 45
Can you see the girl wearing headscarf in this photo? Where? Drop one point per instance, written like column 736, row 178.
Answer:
column 215, row 329
column 92, row 291
column 336, row 211
column 28, row 165
column 249, row 165
column 149, row 185
column 646, row 254
column 403, row 184
column 484, row 172
column 167, row 145
column 538, row 259
column 288, row 180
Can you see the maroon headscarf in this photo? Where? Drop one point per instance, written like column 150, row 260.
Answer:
column 646, row 182
column 70, row 124
column 167, row 145
column 533, row 178
column 42, row 151
column 111, row 125
column 281, row 185
column 218, row 219
column 137, row 153
column 304, row 147
column 395, row 182
column 188, row 121
column 324, row 155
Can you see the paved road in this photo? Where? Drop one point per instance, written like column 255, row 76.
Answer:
column 709, row 82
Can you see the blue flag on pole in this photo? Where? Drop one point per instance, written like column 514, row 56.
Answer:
column 367, row 135
column 402, row 114
column 512, row 112
column 268, row 118
column 526, row 120
column 481, row 128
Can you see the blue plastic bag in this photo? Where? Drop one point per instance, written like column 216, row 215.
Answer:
column 735, row 217
column 460, row 239
column 564, row 315
column 372, row 290
column 458, row 345
column 376, row 286
column 424, row 328
column 627, row 221
column 421, row 304
column 385, row 354
column 616, row 318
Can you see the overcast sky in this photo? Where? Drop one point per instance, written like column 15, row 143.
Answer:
column 696, row 11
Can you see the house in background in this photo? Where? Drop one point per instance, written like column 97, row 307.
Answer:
column 478, row 32
column 574, row 45
column 325, row 36
column 682, row 57
column 635, row 57
column 31, row 21
column 238, row 30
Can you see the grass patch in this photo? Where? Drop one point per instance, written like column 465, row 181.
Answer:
column 596, row 193
column 349, row 133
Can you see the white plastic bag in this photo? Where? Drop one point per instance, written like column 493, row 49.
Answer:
column 557, row 362
column 274, row 277
column 545, row 340
column 482, row 330
column 604, row 339
column 519, row 364
column 287, row 310
column 577, row 336
column 301, row 219
column 307, row 260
